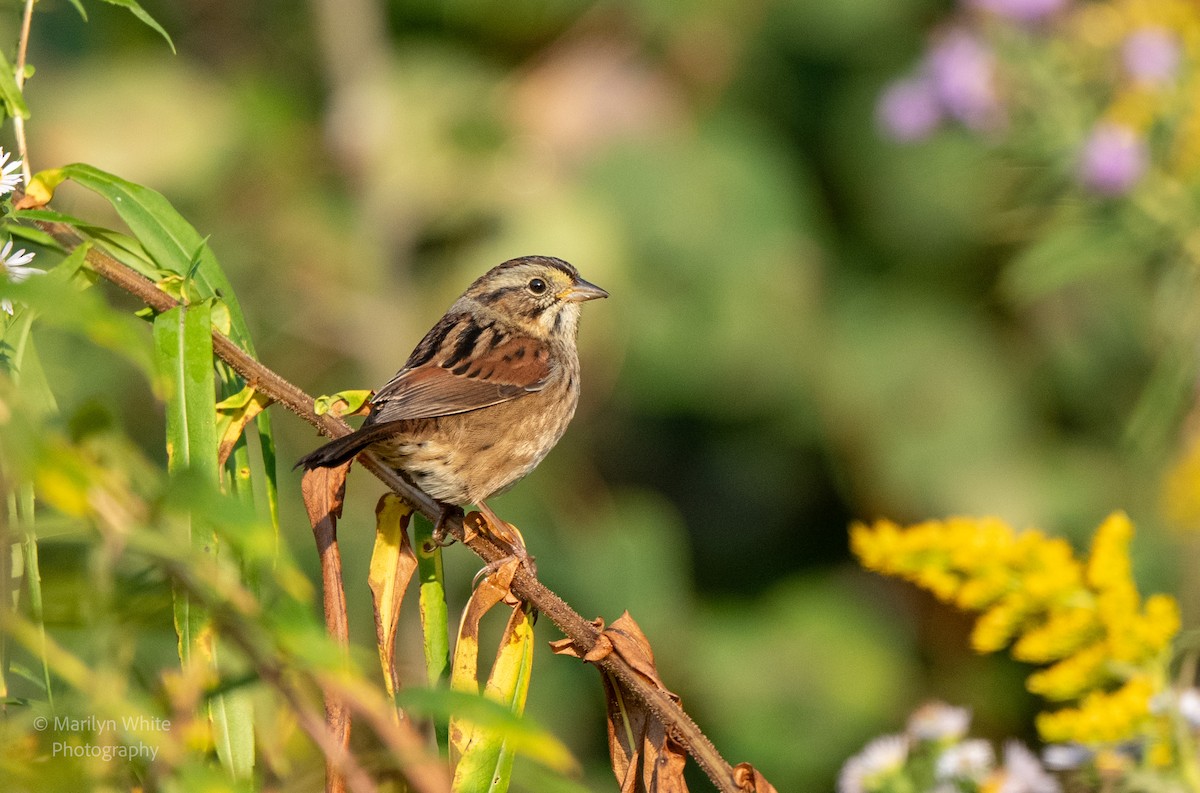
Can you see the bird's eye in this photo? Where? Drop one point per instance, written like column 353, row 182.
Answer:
column 537, row 286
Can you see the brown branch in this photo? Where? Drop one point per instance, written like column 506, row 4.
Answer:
column 581, row 632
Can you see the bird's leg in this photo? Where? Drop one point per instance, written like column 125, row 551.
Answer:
column 441, row 538
column 507, row 535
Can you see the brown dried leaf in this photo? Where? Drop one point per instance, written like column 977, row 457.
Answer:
column 323, row 490
column 631, row 644
column 464, row 671
column 749, row 779
column 663, row 761
column 567, row 646
column 496, row 587
column 644, row 757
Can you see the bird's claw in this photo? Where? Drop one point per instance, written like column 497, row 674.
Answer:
column 442, row 538
column 492, row 567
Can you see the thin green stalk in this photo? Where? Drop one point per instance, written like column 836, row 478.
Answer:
column 26, row 371
column 435, row 620
column 33, row 578
column 6, row 588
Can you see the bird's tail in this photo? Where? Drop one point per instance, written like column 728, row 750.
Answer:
column 346, row 447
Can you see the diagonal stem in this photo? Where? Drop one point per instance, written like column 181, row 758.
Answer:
column 583, row 634
column 18, row 120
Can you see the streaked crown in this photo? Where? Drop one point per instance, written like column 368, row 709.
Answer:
column 541, row 294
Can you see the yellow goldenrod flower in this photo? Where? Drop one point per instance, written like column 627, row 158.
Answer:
column 996, row 627
column 1181, row 486
column 1106, row 650
column 1063, row 633
column 978, row 593
column 1073, row 676
column 1108, row 565
column 1102, row 717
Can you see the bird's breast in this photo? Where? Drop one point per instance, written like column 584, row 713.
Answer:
column 468, row 457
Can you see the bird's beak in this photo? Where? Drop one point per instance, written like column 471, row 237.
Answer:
column 580, row 291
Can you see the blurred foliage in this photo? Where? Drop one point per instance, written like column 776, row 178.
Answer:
column 809, row 322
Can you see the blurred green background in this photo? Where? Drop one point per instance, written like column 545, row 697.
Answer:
column 808, row 323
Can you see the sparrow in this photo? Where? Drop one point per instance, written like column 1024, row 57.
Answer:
column 485, row 395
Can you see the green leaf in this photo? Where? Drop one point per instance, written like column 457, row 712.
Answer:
column 232, row 714
column 79, row 7
column 1164, row 401
column 61, row 303
column 140, row 13
column 33, row 578
column 1073, row 250
column 36, row 236
column 343, row 403
column 184, row 349
column 435, row 620
column 175, row 246
column 48, row 215
column 222, row 319
column 527, row 738
column 10, row 94
column 167, row 244
column 183, row 344
column 487, row 760
column 124, row 249
column 28, row 374
column 265, row 484
column 170, row 241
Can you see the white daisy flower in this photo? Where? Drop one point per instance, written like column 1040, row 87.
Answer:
column 16, row 269
column 1023, row 773
column 880, row 758
column 1189, row 706
column 970, row 760
column 11, row 176
column 937, row 721
column 1065, row 756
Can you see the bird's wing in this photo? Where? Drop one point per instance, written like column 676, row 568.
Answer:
column 452, row 382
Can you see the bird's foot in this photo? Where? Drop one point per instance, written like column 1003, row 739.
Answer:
column 442, row 538
column 505, row 535
column 491, row 568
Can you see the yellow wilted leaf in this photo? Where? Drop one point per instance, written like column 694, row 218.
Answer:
column 392, row 566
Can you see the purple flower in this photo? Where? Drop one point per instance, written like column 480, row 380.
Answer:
column 1151, row 55
column 1113, row 159
column 908, row 109
column 1021, row 10
column 962, row 71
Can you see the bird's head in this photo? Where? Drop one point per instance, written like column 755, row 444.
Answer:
column 539, row 294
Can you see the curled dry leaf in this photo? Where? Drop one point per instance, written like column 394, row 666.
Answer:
column 323, row 490
column 464, row 670
column 464, row 673
column 749, row 779
column 644, row 757
column 233, row 414
column 392, row 566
